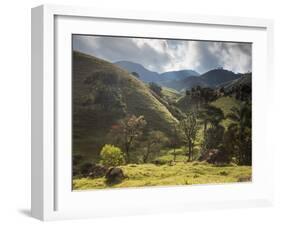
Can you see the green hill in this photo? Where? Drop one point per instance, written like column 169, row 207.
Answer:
column 245, row 79
column 225, row 104
column 103, row 94
column 170, row 94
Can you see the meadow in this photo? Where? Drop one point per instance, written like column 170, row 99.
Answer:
column 180, row 173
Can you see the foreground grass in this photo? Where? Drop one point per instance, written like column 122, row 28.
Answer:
column 178, row 174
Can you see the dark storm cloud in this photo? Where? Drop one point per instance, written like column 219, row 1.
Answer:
column 163, row 55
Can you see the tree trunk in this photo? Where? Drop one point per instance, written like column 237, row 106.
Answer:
column 189, row 150
column 127, row 150
column 205, row 126
column 146, row 155
column 174, row 154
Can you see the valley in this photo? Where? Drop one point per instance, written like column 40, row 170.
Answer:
column 149, row 128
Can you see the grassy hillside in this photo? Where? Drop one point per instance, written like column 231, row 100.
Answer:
column 219, row 76
column 170, row 95
column 178, row 174
column 225, row 104
column 103, row 94
column 245, row 79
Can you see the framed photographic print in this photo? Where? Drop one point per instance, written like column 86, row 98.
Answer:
column 136, row 113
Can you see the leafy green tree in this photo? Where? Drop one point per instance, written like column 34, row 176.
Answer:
column 241, row 132
column 207, row 95
column 216, row 114
column 222, row 91
column 210, row 115
column 155, row 88
column 189, row 129
column 213, row 131
column 175, row 140
column 187, row 93
column 213, row 137
column 111, row 156
column 135, row 74
column 153, row 144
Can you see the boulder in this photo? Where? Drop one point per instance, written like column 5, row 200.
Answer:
column 114, row 175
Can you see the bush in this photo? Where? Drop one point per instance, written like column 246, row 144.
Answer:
column 223, row 173
column 111, row 156
column 161, row 161
column 86, row 168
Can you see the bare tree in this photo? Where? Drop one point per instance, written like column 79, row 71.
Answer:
column 128, row 131
column 154, row 142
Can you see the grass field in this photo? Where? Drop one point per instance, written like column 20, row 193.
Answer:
column 178, row 174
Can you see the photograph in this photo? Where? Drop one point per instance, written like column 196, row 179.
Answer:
column 152, row 112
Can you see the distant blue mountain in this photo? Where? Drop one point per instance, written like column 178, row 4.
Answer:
column 182, row 79
column 179, row 75
column 144, row 74
column 150, row 76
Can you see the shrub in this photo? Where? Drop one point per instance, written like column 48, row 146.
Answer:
column 86, row 168
column 160, row 161
column 223, row 173
column 111, row 156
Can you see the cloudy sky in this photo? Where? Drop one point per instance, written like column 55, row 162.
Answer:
column 163, row 55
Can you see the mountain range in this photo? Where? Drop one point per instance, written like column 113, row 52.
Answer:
column 151, row 76
column 182, row 79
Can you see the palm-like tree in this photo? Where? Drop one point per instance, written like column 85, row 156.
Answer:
column 211, row 115
column 241, row 129
column 213, row 134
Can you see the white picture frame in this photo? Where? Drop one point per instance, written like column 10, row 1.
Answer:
column 52, row 197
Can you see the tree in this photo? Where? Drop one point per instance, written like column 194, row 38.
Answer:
column 240, row 131
column 196, row 96
column 213, row 137
column 154, row 142
column 213, row 134
column 135, row 74
column 189, row 129
column 207, row 95
column 216, row 114
column 175, row 140
column 155, row 88
column 111, row 156
column 222, row 91
column 128, row 131
column 210, row 115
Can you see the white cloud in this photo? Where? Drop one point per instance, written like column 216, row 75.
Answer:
column 165, row 55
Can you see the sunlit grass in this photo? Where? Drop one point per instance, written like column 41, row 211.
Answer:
column 179, row 173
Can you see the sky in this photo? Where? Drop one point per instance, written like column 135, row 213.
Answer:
column 161, row 55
